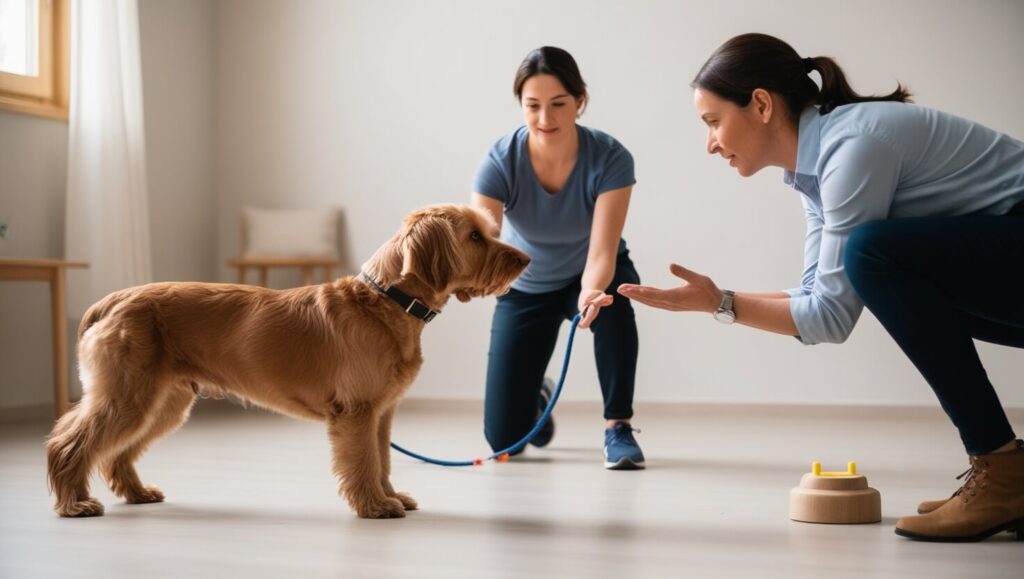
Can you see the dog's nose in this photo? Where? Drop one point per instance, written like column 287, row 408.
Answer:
column 523, row 259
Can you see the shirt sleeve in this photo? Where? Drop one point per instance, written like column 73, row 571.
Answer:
column 812, row 245
column 618, row 171
column 491, row 180
column 858, row 177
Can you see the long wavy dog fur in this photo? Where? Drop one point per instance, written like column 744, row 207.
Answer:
column 339, row 352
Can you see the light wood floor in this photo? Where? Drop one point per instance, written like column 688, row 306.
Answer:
column 250, row 494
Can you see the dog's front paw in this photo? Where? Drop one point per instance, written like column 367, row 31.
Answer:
column 387, row 508
column 408, row 502
column 90, row 507
column 147, row 494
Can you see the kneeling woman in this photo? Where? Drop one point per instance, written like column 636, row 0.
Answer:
column 564, row 190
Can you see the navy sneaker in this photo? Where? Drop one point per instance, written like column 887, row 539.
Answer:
column 621, row 452
column 547, row 432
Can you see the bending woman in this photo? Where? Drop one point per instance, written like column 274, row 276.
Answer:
column 914, row 212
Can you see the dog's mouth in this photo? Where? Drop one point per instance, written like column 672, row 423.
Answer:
column 467, row 293
column 495, row 280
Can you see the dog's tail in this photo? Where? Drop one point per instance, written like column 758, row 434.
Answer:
column 100, row 309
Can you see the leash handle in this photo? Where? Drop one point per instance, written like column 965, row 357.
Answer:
column 502, row 455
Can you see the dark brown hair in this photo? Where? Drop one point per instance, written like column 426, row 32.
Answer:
column 556, row 62
column 751, row 61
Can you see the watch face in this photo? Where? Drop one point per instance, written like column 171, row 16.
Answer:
column 725, row 316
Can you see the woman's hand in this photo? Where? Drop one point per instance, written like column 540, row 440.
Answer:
column 697, row 294
column 590, row 303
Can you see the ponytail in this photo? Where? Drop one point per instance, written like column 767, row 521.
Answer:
column 836, row 91
column 751, row 61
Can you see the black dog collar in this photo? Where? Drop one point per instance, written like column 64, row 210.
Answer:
column 413, row 306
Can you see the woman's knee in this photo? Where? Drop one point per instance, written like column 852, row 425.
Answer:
column 618, row 317
column 866, row 249
column 502, row 434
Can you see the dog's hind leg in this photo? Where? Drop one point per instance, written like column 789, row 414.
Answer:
column 357, row 462
column 66, row 461
column 105, row 421
column 119, row 470
column 384, row 443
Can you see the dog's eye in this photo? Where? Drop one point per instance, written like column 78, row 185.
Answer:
column 475, row 236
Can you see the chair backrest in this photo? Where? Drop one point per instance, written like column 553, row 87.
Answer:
column 289, row 233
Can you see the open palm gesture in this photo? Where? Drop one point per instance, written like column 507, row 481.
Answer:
column 698, row 293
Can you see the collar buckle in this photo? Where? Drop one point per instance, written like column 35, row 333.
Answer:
column 411, row 305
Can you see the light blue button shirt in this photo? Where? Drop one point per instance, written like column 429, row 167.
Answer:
column 884, row 160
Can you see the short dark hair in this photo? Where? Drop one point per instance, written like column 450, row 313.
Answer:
column 556, row 62
column 750, row 61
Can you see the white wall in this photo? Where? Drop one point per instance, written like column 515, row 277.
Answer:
column 179, row 82
column 177, row 40
column 380, row 107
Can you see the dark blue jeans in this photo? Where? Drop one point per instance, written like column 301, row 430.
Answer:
column 523, row 336
column 936, row 284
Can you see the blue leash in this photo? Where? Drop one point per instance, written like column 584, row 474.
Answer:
column 502, row 455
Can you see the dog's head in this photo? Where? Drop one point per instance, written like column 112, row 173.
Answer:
column 450, row 249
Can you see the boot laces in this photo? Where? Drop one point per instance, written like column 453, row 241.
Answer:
column 975, row 475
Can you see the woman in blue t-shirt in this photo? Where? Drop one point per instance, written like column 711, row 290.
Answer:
column 913, row 212
column 562, row 191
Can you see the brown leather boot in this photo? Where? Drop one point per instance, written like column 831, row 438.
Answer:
column 990, row 501
column 928, row 506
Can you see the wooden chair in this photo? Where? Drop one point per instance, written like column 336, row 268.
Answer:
column 263, row 264
column 261, row 227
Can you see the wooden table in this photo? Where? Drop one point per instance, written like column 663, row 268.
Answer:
column 53, row 271
column 308, row 265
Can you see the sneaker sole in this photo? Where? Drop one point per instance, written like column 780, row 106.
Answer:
column 540, row 441
column 546, row 392
column 625, row 464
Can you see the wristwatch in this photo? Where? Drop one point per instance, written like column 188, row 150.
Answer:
column 724, row 312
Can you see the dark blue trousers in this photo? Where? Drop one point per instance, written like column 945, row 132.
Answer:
column 523, row 335
column 936, row 284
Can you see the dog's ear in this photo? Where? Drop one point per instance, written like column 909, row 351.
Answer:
column 431, row 252
column 385, row 267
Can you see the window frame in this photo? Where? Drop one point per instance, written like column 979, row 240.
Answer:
column 45, row 95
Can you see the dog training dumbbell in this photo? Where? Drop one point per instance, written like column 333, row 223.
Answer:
column 835, row 497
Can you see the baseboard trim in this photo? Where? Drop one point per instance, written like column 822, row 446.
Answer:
column 737, row 409
column 33, row 413
column 39, row 412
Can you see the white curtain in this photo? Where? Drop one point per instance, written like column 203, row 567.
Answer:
column 107, row 204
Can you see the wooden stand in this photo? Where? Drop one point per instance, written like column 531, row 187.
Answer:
column 52, row 271
column 835, row 498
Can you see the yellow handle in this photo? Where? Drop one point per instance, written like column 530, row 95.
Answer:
column 851, row 470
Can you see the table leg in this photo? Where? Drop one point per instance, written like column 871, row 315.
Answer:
column 307, row 275
column 60, row 342
column 241, row 274
column 263, row 276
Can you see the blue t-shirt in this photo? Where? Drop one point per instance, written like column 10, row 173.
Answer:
column 868, row 161
column 553, row 229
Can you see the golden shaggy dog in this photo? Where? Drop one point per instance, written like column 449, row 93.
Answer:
column 341, row 352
